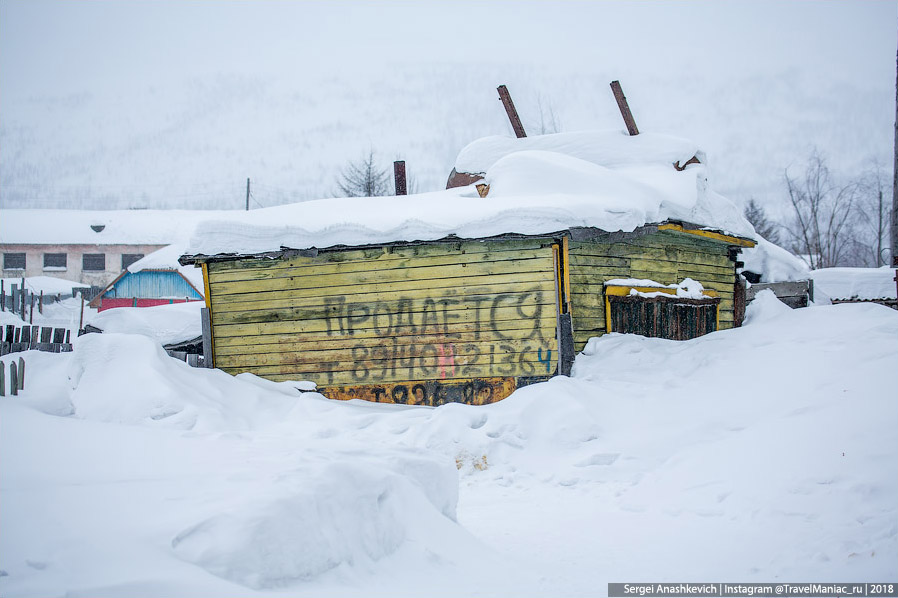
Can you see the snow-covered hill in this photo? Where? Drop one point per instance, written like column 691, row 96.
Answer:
column 194, row 144
column 765, row 453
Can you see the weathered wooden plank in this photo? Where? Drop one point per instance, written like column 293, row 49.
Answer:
column 377, row 320
column 206, row 326
column 315, row 266
column 780, row 289
column 388, row 252
column 451, row 274
column 409, row 313
column 408, row 310
column 426, row 362
column 419, row 298
column 226, row 337
column 664, row 241
column 473, row 391
column 422, row 289
column 440, row 354
column 426, row 353
column 590, row 262
column 662, row 273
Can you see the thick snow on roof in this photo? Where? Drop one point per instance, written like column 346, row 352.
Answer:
column 854, row 283
column 772, row 262
column 612, row 149
column 531, row 192
column 167, row 259
column 128, row 227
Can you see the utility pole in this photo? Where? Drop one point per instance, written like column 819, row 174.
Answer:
column 894, row 244
column 247, row 194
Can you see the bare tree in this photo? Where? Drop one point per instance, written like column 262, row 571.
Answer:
column 362, row 178
column 548, row 122
column 822, row 231
column 755, row 214
column 872, row 247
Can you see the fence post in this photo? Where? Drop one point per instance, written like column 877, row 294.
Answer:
column 13, row 380
column 21, row 373
column 207, row 337
column 2, row 379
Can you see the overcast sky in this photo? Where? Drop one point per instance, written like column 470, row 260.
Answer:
column 107, row 100
column 72, row 45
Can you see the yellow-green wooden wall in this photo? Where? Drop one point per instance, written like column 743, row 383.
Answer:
column 666, row 257
column 390, row 315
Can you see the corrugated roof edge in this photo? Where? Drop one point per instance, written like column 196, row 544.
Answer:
column 576, row 233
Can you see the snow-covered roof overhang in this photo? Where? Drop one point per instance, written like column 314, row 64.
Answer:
column 532, row 192
column 579, row 233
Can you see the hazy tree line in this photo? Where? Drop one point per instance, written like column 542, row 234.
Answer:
column 833, row 221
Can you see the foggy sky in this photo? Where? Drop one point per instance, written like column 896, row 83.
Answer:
column 74, row 45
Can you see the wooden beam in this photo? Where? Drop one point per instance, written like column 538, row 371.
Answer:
column 512, row 113
column 707, row 234
column 624, row 107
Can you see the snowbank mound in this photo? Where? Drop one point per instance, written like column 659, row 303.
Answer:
column 129, row 379
column 765, row 306
column 173, row 323
column 347, row 513
column 772, row 262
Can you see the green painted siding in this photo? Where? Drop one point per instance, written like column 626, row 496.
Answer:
column 389, row 315
column 666, row 257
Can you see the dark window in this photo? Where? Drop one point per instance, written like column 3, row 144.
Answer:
column 130, row 258
column 93, row 262
column 13, row 261
column 55, row 260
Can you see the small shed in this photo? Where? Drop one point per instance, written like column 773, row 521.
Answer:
column 453, row 296
column 156, row 279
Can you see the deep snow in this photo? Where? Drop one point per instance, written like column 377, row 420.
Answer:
column 757, row 454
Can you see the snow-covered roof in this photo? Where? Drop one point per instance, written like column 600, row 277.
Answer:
column 854, row 283
column 605, row 180
column 114, row 227
column 609, row 148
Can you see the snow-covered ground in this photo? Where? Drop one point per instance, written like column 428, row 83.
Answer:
column 763, row 453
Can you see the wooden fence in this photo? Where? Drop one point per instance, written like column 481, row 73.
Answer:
column 22, row 301
column 794, row 294
column 16, row 377
column 24, row 338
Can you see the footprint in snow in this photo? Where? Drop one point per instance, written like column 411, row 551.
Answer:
column 598, row 459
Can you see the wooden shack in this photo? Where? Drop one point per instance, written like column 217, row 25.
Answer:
column 467, row 294
column 464, row 320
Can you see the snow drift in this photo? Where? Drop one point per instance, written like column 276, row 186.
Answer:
column 778, row 436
